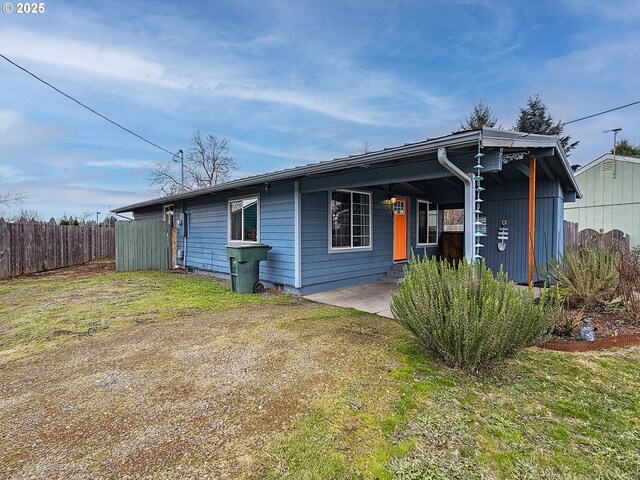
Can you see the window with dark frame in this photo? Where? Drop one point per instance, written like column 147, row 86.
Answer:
column 243, row 220
column 350, row 219
column 427, row 223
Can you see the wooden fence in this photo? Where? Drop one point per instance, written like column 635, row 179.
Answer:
column 143, row 245
column 581, row 238
column 31, row 248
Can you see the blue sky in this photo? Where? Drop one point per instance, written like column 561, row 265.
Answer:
column 291, row 82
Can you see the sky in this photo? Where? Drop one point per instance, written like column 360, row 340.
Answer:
column 291, row 82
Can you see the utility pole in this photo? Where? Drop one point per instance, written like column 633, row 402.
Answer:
column 180, row 153
column 615, row 136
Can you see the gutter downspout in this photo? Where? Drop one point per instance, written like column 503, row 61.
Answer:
column 469, row 202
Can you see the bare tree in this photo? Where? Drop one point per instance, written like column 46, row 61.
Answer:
column 207, row 163
column 11, row 199
column 365, row 148
column 26, row 215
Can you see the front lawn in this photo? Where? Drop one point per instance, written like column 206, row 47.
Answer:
column 163, row 375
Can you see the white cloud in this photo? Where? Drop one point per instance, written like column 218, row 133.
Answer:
column 93, row 58
column 133, row 164
column 18, row 133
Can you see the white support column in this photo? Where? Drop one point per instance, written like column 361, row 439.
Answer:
column 469, row 217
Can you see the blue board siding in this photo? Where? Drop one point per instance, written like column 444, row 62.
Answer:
column 322, row 270
column 149, row 213
column 510, row 203
column 208, row 232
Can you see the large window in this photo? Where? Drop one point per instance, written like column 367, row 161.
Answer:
column 350, row 219
column 243, row 219
column 427, row 223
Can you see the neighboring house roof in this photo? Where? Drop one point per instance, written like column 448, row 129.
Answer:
column 606, row 157
column 489, row 137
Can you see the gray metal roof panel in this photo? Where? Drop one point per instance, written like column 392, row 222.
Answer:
column 491, row 137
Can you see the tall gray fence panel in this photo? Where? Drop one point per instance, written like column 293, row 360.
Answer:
column 142, row 245
column 31, row 248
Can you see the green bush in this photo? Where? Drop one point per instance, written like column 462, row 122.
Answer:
column 466, row 315
column 589, row 275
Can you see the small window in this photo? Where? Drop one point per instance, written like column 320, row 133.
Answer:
column 243, row 220
column 167, row 213
column 427, row 223
column 350, row 219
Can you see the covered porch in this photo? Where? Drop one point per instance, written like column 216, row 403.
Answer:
column 513, row 205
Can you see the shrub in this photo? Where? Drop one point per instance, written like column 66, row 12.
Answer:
column 629, row 283
column 567, row 320
column 589, row 275
column 468, row 317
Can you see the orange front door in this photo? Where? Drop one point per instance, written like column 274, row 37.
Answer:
column 400, row 229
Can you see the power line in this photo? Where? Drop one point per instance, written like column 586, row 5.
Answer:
column 87, row 107
column 602, row 113
column 588, row 116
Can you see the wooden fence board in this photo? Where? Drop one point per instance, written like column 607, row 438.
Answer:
column 142, row 245
column 31, row 248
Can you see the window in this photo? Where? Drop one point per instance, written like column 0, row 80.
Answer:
column 243, row 219
column 427, row 223
column 350, row 219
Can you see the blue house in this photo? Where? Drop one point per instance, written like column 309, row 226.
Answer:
column 346, row 221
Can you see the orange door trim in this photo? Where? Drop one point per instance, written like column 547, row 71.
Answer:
column 400, row 229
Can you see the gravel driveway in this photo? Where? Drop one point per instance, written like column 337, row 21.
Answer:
column 201, row 397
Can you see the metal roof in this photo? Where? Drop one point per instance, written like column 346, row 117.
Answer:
column 490, row 137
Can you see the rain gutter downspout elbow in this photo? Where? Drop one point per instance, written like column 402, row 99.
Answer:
column 469, row 202
column 446, row 163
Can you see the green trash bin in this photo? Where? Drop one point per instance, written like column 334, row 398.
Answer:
column 244, row 266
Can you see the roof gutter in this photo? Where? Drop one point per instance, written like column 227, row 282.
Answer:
column 469, row 202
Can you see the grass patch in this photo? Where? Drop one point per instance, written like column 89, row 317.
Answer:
column 546, row 415
column 39, row 310
column 382, row 409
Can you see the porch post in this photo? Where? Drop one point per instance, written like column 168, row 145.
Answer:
column 532, row 218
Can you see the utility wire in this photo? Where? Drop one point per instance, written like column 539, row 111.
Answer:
column 588, row 116
column 602, row 113
column 87, row 107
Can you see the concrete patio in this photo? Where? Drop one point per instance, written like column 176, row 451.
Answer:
column 371, row 297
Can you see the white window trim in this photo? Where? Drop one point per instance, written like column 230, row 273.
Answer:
column 243, row 242
column 369, row 247
column 427, row 244
column 165, row 209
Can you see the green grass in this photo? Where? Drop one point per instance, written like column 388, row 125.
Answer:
column 394, row 412
column 38, row 310
column 543, row 415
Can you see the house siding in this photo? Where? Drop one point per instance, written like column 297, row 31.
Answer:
column 208, row 233
column 322, row 270
column 149, row 213
column 609, row 202
column 511, row 203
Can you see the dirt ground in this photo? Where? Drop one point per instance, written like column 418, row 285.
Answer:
column 197, row 397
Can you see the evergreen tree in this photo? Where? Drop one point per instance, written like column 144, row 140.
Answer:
column 625, row 147
column 534, row 118
column 481, row 116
